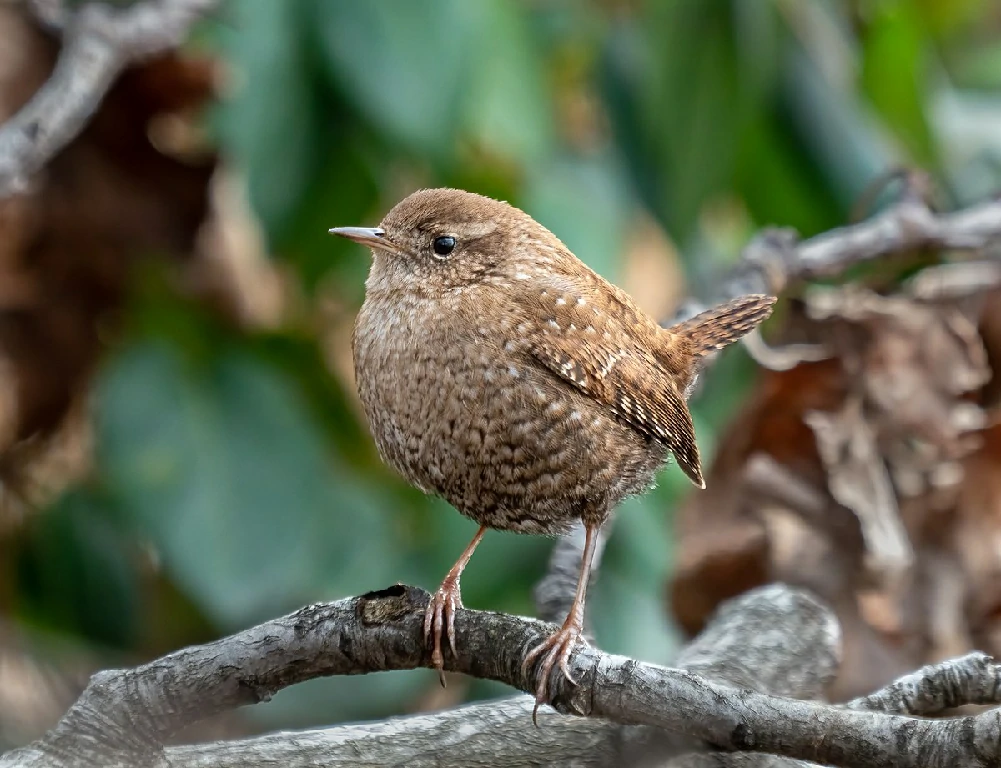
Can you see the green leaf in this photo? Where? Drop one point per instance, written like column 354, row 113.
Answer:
column 979, row 69
column 505, row 104
column 221, row 467
column 401, row 64
column 839, row 136
column 894, row 64
column 343, row 193
column 680, row 96
column 941, row 18
column 77, row 571
column 585, row 204
column 270, row 125
column 797, row 194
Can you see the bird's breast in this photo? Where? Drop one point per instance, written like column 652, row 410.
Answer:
column 458, row 406
column 422, row 378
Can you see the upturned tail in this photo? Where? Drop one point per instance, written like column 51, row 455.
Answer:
column 706, row 332
column 724, row 324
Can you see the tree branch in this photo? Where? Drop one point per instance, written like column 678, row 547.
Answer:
column 970, row 679
column 98, row 43
column 775, row 258
column 132, row 712
column 496, row 732
column 736, row 760
column 797, row 659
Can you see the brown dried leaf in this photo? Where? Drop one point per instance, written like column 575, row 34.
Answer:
column 857, row 479
column 862, row 466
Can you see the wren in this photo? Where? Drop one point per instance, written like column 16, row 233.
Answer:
column 498, row 371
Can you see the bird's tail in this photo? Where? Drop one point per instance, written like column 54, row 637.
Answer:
column 724, row 324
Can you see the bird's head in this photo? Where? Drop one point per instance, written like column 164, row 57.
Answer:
column 438, row 240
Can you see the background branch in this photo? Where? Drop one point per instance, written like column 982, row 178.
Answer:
column 775, row 258
column 98, row 43
column 554, row 592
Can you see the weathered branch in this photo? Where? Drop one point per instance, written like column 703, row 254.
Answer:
column 496, row 732
column 736, row 760
column 772, row 639
column 775, row 259
column 971, row 679
column 98, row 43
column 133, row 711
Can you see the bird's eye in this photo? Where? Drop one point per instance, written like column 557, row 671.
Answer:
column 443, row 245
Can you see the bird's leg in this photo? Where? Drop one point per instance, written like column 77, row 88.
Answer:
column 556, row 649
column 444, row 603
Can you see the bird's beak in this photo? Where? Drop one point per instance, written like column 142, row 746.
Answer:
column 373, row 237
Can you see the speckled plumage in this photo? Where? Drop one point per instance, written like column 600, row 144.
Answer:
column 512, row 380
column 508, row 377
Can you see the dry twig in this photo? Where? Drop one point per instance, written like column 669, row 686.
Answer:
column 98, row 43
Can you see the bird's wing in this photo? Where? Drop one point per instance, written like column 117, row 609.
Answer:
column 592, row 349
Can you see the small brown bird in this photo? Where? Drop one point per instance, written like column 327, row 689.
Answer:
column 501, row 373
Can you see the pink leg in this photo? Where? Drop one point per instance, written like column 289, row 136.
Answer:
column 445, row 602
column 557, row 648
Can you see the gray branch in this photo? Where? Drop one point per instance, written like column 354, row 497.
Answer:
column 970, row 679
column 776, row 258
column 498, row 732
column 798, row 661
column 736, row 760
column 98, row 43
column 125, row 715
column 746, row 636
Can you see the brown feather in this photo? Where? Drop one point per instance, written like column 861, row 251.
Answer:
column 724, row 324
column 599, row 352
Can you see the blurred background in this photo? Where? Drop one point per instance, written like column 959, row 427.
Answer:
column 181, row 450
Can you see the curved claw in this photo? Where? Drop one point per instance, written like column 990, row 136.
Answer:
column 440, row 614
column 555, row 649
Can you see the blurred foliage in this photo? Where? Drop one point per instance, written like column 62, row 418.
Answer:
column 234, row 479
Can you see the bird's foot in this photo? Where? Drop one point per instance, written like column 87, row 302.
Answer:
column 556, row 649
column 440, row 615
